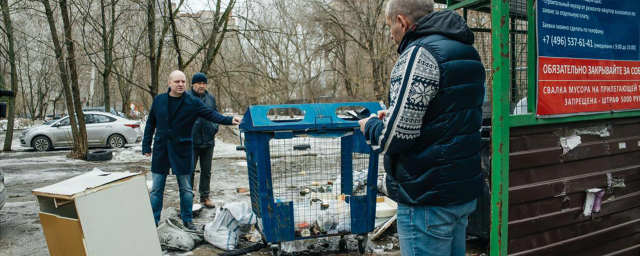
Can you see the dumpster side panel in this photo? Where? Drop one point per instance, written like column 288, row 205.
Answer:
column 548, row 183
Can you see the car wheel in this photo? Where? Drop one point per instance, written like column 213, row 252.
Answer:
column 42, row 143
column 116, row 141
column 99, row 155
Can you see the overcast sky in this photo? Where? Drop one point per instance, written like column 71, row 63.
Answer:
column 199, row 5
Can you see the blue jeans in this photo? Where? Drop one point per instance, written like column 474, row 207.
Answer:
column 186, row 196
column 432, row 230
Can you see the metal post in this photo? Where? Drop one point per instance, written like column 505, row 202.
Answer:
column 500, row 128
column 465, row 13
column 532, row 58
column 515, row 96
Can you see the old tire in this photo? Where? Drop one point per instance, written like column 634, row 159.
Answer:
column 41, row 143
column 99, row 155
column 116, row 141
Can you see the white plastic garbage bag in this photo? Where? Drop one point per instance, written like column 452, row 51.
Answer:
column 231, row 222
column 173, row 237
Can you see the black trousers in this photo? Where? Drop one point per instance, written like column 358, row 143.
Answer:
column 205, row 155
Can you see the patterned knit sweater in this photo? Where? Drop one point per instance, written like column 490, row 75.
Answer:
column 414, row 83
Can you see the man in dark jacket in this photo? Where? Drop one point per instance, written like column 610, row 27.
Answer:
column 204, row 133
column 430, row 136
column 171, row 118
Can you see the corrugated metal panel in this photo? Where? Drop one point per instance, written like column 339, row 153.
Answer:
column 547, row 190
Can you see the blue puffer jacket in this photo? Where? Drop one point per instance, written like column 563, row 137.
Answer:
column 443, row 165
column 204, row 132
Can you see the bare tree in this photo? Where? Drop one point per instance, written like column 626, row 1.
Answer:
column 82, row 147
column 154, row 59
column 156, row 48
column 11, row 52
column 105, row 28
column 72, row 94
column 212, row 45
column 362, row 22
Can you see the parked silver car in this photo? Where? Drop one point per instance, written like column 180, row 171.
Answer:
column 103, row 129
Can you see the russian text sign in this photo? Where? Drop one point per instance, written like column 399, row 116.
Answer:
column 588, row 56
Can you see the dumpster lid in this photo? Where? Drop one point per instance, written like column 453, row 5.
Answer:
column 304, row 116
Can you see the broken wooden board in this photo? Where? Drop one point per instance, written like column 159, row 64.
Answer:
column 381, row 229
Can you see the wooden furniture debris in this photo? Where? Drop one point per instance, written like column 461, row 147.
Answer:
column 98, row 213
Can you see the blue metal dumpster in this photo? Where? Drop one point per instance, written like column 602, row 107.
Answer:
column 311, row 172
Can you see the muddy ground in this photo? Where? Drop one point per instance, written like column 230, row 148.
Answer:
column 25, row 170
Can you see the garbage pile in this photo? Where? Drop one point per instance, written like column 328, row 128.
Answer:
column 322, row 208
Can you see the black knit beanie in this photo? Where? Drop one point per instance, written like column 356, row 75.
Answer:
column 198, row 77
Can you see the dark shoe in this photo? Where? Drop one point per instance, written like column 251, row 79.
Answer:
column 189, row 225
column 204, row 200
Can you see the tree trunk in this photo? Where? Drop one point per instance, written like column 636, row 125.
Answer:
column 81, row 144
column 174, row 36
column 215, row 41
column 107, row 50
column 13, row 75
column 55, row 102
column 378, row 83
column 64, row 76
column 151, row 29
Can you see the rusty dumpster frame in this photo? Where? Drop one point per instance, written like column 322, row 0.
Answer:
column 520, row 129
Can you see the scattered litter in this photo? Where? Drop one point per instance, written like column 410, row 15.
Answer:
column 296, row 245
column 174, row 236
column 234, row 220
column 253, row 235
column 385, row 207
column 359, row 181
column 196, row 209
column 305, row 192
column 241, row 190
column 593, row 201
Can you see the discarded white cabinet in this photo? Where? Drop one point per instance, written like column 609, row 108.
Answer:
column 98, row 213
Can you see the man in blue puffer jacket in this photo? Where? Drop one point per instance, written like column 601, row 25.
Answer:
column 430, row 136
column 204, row 133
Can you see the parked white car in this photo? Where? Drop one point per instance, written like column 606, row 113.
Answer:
column 103, row 130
